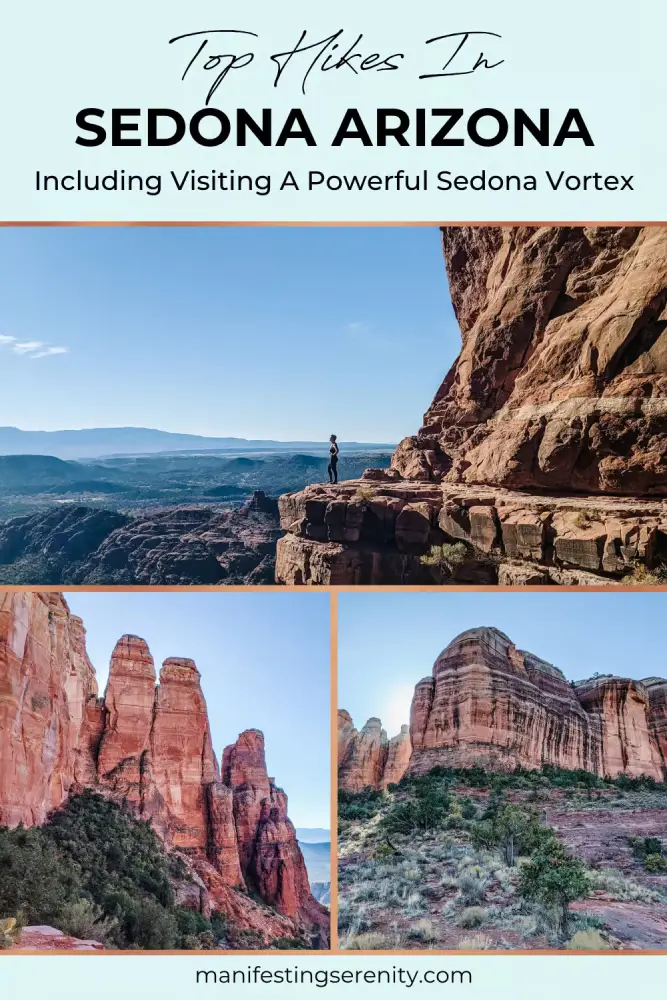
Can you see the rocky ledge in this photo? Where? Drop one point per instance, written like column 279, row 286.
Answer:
column 543, row 456
column 383, row 529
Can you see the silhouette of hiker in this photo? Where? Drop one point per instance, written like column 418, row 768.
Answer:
column 332, row 467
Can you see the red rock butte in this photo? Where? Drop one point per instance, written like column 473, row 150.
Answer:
column 544, row 450
column 149, row 745
column 489, row 703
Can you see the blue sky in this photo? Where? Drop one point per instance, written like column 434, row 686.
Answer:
column 264, row 663
column 286, row 333
column 387, row 642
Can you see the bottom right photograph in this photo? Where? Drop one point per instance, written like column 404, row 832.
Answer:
column 501, row 771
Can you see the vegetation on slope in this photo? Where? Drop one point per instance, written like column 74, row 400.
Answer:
column 96, row 872
column 464, row 858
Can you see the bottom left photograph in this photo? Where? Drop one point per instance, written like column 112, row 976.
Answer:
column 155, row 792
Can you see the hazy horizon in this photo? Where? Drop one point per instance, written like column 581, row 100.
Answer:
column 580, row 633
column 264, row 664
column 286, row 333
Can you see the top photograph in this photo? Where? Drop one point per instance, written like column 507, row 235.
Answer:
column 334, row 406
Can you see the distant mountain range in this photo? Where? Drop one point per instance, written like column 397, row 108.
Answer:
column 99, row 442
column 316, row 849
column 318, row 861
column 312, row 835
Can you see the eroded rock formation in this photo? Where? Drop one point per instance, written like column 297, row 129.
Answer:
column 367, row 758
column 46, row 682
column 175, row 546
column 488, row 702
column 561, row 382
column 544, row 452
column 150, row 746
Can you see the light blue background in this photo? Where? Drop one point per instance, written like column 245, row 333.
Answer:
column 602, row 56
column 503, row 977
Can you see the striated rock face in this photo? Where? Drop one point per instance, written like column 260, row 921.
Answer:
column 346, row 731
column 46, row 681
column 150, row 746
column 128, row 708
column 623, row 709
column 367, row 759
column 561, row 383
column 543, row 456
column 656, row 688
column 490, row 703
column 399, row 752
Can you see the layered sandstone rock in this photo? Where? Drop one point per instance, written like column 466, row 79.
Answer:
column 128, row 707
column 543, row 456
column 150, row 746
column 399, row 751
column 400, row 531
column 623, row 709
column 488, row 702
column 366, row 758
column 561, row 382
column 46, row 681
column 345, row 732
column 656, row 688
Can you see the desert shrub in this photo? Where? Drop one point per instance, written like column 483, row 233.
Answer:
column 447, row 556
column 476, row 942
column 468, row 808
column 426, row 811
column 588, row 940
column 372, row 941
column 84, row 919
column 424, row 930
column 364, row 494
column 619, row 887
column 359, row 806
column 9, row 932
column 288, row 943
column 513, row 829
column 472, row 884
column 649, row 851
column 554, row 878
column 472, row 916
column 655, row 864
column 34, row 881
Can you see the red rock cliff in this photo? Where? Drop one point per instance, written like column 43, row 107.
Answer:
column 561, row 383
column 487, row 702
column 366, row 758
column 46, row 681
column 491, row 703
column 149, row 745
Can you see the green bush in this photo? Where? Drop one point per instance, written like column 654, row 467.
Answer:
column 554, row 878
column 428, row 810
column 655, row 864
column 360, row 806
column 95, row 871
column 471, row 917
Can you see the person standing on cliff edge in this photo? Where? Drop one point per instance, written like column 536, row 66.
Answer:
column 332, row 467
